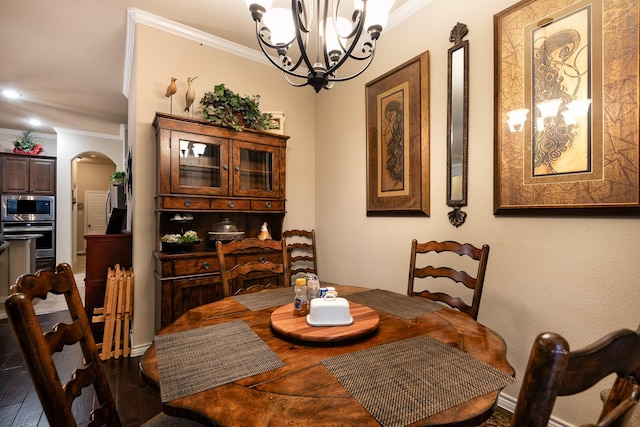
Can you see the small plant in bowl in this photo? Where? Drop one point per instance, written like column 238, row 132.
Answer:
column 175, row 243
column 25, row 143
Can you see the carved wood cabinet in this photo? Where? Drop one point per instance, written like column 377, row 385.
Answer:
column 207, row 174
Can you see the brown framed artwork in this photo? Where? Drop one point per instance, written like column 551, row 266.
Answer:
column 566, row 108
column 397, row 110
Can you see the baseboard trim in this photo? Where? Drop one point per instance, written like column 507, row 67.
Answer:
column 138, row 350
column 508, row 403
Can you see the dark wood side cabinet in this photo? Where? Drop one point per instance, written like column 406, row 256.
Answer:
column 22, row 174
column 208, row 173
column 103, row 251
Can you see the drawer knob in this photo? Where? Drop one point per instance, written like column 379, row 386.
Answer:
column 187, row 202
column 225, row 167
column 206, row 265
column 231, row 203
column 262, row 261
column 237, row 168
column 268, row 204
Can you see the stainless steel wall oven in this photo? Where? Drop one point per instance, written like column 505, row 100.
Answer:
column 29, row 214
column 28, row 208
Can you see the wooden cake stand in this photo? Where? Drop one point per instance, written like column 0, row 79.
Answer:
column 365, row 321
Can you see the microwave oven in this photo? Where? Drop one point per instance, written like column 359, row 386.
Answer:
column 28, row 208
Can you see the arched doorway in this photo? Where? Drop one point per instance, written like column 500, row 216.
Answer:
column 90, row 175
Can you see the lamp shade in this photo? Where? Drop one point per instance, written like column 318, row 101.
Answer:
column 280, row 22
column 549, row 108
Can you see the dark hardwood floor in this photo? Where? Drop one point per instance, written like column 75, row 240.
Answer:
column 19, row 404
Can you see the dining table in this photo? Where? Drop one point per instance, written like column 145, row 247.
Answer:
column 246, row 360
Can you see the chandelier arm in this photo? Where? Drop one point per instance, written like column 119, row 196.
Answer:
column 270, row 45
column 347, row 53
column 262, row 42
column 279, row 66
column 294, row 84
column 358, row 15
column 301, row 28
column 372, row 48
column 355, row 34
column 304, row 22
column 343, row 79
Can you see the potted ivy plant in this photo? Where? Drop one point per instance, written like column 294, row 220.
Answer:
column 25, row 143
column 224, row 107
column 117, row 177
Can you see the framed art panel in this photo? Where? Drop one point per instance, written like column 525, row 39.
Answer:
column 566, row 107
column 278, row 118
column 397, row 109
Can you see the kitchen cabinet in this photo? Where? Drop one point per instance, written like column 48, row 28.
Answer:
column 208, row 173
column 103, row 251
column 24, row 174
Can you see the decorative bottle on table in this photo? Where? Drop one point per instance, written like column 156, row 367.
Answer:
column 313, row 287
column 300, row 301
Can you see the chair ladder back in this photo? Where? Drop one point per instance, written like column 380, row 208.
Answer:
column 242, row 272
column 302, row 252
column 38, row 347
column 481, row 255
column 553, row 370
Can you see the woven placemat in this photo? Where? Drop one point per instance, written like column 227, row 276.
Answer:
column 203, row 358
column 399, row 305
column 408, row 380
column 266, row 299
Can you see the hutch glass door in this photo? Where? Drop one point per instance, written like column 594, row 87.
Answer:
column 201, row 164
column 255, row 170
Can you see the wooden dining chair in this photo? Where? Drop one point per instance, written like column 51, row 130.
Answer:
column 38, row 349
column 250, row 265
column 554, row 370
column 479, row 256
column 302, row 252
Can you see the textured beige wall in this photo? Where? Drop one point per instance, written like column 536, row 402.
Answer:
column 575, row 276
column 158, row 57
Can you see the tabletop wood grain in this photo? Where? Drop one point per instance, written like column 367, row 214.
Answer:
column 304, row 392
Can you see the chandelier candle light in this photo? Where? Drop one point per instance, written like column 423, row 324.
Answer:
column 297, row 35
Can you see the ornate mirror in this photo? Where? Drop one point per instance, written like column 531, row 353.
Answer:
column 457, row 123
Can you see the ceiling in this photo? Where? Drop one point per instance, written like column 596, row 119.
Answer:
column 66, row 57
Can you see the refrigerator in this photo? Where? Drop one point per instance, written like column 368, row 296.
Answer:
column 116, row 209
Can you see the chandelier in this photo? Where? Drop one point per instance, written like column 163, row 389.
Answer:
column 306, row 55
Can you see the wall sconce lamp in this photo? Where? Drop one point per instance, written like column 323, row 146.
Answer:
column 517, row 119
column 575, row 109
column 548, row 110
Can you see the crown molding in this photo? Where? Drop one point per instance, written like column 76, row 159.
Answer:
column 66, row 131
column 137, row 16
column 405, row 11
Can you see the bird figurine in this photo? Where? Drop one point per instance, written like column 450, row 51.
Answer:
column 191, row 93
column 264, row 232
column 172, row 88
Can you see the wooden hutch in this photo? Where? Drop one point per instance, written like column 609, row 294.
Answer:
column 207, row 174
